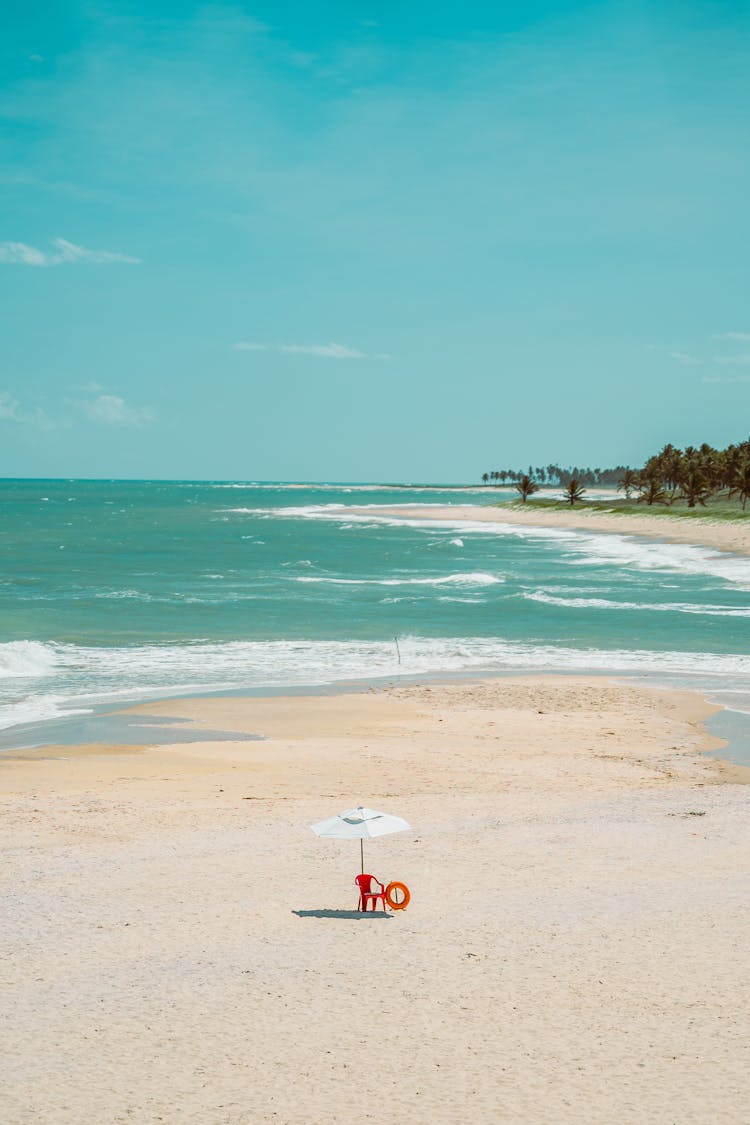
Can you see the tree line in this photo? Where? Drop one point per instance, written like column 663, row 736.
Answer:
column 691, row 474
column 555, row 475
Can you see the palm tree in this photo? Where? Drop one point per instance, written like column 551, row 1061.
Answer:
column 485, row 478
column 527, row 487
column 694, row 486
column 741, row 483
column 651, row 491
column 627, row 482
column 573, row 491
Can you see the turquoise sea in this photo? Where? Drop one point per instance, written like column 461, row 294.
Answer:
column 113, row 591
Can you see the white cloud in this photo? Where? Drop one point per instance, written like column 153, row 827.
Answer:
column 19, row 254
column 743, row 336
column 739, row 360
column 114, row 411
column 681, row 357
column 69, row 252
column 64, row 252
column 9, row 408
column 685, row 357
column 326, row 351
column 321, row 351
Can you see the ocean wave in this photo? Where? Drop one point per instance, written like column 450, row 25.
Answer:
column 579, row 548
column 26, row 659
column 478, row 578
column 38, row 709
column 120, row 595
column 80, row 677
column 648, row 554
column 660, row 607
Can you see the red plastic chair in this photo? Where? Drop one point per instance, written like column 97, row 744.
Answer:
column 366, row 892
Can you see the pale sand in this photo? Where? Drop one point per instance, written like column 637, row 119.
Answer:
column 724, row 535
column 576, row 950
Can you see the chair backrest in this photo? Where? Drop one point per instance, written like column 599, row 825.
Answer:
column 364, row 882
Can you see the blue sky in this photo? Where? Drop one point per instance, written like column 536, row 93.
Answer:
column 371, row 240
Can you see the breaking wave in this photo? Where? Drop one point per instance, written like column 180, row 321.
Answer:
column 77, row 677
column 659, row 607
column 473, row 579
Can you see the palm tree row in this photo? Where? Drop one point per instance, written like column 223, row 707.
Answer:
column 555, row 475
column 526, row 486
column 690, row 474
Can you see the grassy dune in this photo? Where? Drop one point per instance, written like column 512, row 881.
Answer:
column 717, row 508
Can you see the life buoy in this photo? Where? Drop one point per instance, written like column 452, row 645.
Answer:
column 398, row 896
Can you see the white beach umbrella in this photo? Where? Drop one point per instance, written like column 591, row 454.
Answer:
column 359, row 824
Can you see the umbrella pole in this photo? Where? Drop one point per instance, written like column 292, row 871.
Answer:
column 362, row 854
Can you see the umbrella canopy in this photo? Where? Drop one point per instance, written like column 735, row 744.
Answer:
column 359, row 824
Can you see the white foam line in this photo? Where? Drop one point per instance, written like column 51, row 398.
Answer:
column 663, row 607
column 78, row 677
column 584, row 548
column 472, row 579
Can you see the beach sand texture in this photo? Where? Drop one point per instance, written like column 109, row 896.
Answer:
column 723, row 535
column 178, row 947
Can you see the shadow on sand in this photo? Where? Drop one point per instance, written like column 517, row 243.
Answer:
column 355, row 914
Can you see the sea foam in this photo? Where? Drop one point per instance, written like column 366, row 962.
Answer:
column 80, row 677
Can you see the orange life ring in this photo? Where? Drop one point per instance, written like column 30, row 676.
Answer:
column 398, row 896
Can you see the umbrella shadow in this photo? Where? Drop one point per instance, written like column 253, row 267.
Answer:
column 353, row 914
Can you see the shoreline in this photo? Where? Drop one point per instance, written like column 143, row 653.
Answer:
column 225, row 719
column 123, row 727
column 732, row 536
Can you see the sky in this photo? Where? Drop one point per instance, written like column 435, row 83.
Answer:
column 370, row 240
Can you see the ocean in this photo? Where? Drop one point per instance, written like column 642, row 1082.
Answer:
column 114, row 591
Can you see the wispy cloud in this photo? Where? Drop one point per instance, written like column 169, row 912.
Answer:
column 322, row 351
column 325, row 351
column 63, row 252
column 9, row 408
column 744, row 337
column 742, row 360
column 685, row 357
column 115, row 411
column 680, row 357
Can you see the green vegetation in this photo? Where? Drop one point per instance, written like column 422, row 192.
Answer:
column 573, row 492
column 690, row 481
column 526, row 486
column 556, row 474
column 717, row 509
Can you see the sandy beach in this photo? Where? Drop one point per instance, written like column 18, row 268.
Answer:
column 178, row 947
column 724, row 535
